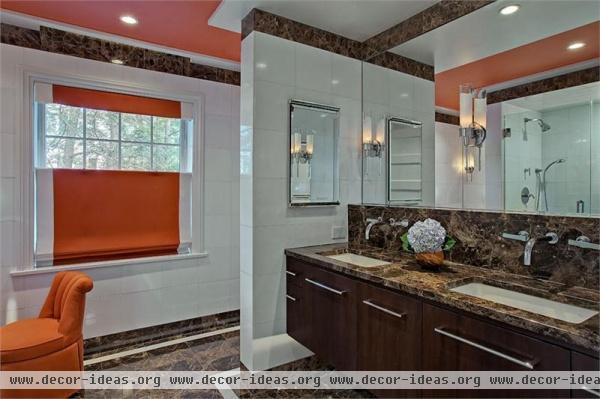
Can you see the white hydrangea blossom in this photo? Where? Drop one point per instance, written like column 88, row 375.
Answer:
column 427, row 236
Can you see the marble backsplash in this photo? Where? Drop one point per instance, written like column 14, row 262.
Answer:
column 479, row 241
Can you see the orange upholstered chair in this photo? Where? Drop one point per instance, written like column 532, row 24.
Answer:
column 53, row 341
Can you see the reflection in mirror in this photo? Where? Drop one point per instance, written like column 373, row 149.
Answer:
column 552, row 152
column 535, row 154
column 391, row 149
column 313, row 172
column 404, row 169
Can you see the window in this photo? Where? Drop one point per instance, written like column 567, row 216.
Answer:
column 82, row 138
column 113, row 175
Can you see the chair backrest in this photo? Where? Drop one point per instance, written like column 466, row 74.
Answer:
column 66, row 302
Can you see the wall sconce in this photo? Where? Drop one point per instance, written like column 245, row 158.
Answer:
column 372, row 146
column 473, row 119
column 302, row 150
column 373, row 139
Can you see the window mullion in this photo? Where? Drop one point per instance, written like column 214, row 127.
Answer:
column 151, row 143
column 119, row 154
column 84, row 138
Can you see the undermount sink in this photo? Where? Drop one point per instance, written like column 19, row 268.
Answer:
column 545, row 307
column 359, row 260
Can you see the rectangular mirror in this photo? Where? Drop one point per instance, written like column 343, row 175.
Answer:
column 313, row 163
column 500, row 129
column 404, row 162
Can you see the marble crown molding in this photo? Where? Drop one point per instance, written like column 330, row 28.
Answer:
column 67, row 43
column 275, row 25
column 447, row 118
column 570, row 79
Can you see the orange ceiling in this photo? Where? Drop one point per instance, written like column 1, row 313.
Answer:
column 532, row 58
column 181, row 25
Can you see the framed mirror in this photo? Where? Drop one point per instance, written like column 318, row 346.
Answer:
column 405, row 148
column 313, row 157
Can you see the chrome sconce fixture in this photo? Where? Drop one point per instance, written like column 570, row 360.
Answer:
column 373, row 138
column 472, row 131
column 302, row 149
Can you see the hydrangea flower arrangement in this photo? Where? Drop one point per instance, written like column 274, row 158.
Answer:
column 427, row 237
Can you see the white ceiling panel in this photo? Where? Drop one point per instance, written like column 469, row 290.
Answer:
column 354, row 19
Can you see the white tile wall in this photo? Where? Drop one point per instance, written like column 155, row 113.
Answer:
column 274, row 71
column 136, row 295
column 570, row 138
column 520, row 154
column 448, row 166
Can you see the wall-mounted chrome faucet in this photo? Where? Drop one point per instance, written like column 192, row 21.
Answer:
column 391, row 221
column 370, row 223
column 394, row 223
column 551, row 238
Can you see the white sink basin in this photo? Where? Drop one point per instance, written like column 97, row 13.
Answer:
column 530, row 303
column 359, row 260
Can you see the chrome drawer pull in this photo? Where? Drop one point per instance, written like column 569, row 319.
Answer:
column 290, row 273
column 527, row 364
column 291, row 298
column 384, row 310
column 320, row 285
column 591, row 391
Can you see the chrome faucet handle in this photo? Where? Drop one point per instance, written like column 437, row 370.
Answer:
column 583, row 239
column 553, row 237
column 377, row 220
column 403, row 223
column 521, row 236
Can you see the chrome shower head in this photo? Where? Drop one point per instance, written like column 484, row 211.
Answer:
column 543, row 125
column 560, row 160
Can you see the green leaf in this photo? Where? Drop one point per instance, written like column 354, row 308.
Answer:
column 405, row 244
column 449, row 243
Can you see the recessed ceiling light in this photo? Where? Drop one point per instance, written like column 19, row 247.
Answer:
column 576, row 45
column 335, row 81
column 117, row 61
column 513, row 8
column 261, row 65
column 128, row 19
column 404, row 95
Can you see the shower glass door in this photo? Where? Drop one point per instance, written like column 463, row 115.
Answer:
column 552, row 152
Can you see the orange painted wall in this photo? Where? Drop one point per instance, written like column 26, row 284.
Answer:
column 532, row 58
column 178, row 24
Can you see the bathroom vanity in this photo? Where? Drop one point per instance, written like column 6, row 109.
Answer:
column 399, row 317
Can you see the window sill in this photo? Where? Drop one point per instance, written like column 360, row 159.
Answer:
column 107, row 263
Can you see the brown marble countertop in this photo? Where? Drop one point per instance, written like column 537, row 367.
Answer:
column 405, row 275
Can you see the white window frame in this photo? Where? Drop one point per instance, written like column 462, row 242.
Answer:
column 29, row 144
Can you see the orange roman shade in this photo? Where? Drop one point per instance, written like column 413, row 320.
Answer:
column 106, row 214
column 117, row 102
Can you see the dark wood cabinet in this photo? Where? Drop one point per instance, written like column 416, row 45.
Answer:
column 452, row 341
column 297, row 307
column 583, row 362
column 355, row 325
column 332, row 315
column 389, row 334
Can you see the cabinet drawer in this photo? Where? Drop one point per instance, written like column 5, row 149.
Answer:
column 581, row 362
column 297, row 315
column 294, row 271
column 452, row 341
column 332, row 314
column 389, row 334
